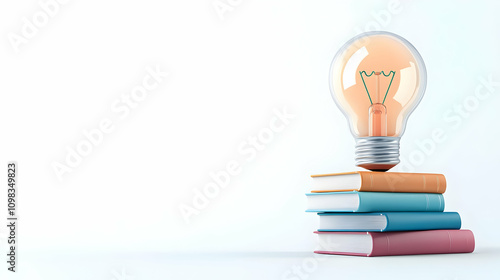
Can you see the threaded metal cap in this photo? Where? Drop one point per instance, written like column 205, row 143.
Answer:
column 377, row 153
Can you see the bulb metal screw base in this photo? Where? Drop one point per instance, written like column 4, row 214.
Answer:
column 377, row 153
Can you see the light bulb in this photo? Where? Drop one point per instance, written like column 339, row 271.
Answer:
column 377, row 79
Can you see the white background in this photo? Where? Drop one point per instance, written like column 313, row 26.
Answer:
column 116, row 214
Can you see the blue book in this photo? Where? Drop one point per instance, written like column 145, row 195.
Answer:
column 389, row 221
column 374, row 202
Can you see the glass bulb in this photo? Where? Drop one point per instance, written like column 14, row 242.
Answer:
column 377, row 79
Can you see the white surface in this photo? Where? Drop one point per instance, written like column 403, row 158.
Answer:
column 482, row 264
column 228, row 79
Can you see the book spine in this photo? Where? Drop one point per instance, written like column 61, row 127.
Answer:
column 422, row 221
column 400, row 202
column 402, row 182
column 422, row 242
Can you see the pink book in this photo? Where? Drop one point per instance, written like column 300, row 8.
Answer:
column 372, row 244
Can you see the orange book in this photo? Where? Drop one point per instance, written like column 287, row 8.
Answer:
column 368, row 181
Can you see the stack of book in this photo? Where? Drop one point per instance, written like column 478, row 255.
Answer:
column 368, row 213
